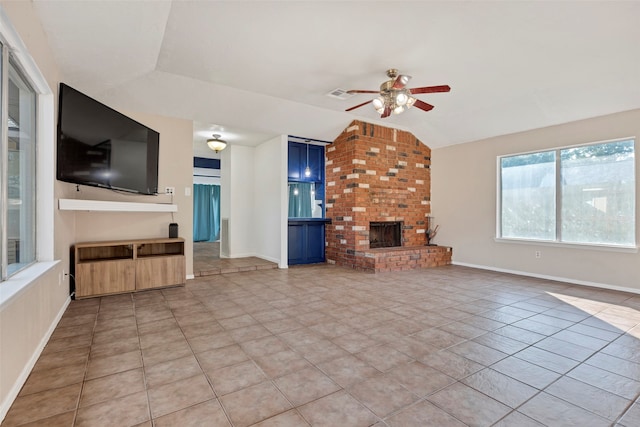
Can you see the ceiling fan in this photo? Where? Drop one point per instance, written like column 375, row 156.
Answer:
column 395, row 97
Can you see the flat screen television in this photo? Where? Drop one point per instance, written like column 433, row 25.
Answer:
column 101, row 147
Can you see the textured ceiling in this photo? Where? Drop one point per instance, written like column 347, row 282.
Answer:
column 260, row 69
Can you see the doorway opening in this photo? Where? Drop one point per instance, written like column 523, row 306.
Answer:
column 206, row 213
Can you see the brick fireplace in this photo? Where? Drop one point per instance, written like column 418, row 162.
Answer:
column 385, row 234
column 378, row 175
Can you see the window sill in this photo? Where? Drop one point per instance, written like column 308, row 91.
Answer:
column 584, row 246
column 18, row 283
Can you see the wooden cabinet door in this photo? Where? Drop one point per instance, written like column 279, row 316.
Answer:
column 158, row 271
column 105, row 277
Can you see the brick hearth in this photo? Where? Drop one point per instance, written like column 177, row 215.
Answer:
column 403, row 258
column 378, row 174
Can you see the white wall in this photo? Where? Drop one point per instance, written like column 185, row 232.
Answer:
column 237, row 198
column 270, row 210
column 253, row 200
column 464, row 192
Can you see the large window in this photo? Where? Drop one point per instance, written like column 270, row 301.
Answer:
column 582, row 195
column 17, row 177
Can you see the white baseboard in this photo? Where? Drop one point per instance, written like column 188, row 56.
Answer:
column 17, row 386
column 245, row 255
column 268, row 258
column 190, row 276
column 547, row 277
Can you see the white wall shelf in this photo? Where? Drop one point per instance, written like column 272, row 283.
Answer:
column 107, row 206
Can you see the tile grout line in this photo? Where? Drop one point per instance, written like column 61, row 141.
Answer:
column 144, row 371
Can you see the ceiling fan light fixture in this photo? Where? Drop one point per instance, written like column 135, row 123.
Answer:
column 216, row 144
column 394, row 97
column 401, row 98
column 399, row 109
column 378, row 103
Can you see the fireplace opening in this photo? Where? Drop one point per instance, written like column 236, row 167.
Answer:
column 385, row 234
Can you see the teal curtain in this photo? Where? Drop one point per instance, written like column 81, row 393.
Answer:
column 206, row 213
column 300, row 199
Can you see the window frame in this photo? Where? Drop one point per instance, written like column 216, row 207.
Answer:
column 45, row 164
column 4, row 159
column 11, row 70
column 558, row 242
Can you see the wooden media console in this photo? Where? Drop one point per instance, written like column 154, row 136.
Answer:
column 104, row 268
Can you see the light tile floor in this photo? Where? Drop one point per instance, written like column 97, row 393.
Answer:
column 327, row 346
column 207, row 261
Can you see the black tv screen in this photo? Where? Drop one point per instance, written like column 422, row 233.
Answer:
column 101, row 147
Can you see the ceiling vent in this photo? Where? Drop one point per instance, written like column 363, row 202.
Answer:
column 340, row 94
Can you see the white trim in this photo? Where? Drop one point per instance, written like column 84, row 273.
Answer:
column 585, row 246
column 283, row 262
column 22, row 378
column 190, row 277
column 547, row 277
column 246, row 255
column 45, row 178
column 268, row 258
column 107, row 206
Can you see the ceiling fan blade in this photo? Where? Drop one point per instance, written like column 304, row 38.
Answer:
column 422, row 105
column 359, row 105
column 430, row 89
column 386, row 112
column 401, row 82
column 363, row 91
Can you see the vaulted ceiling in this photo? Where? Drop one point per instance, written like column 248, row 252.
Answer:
column 256, row 69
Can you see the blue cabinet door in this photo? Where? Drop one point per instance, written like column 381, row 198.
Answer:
column 316, row 163
column 306, row 242
column 297, row 162
column 295, row 171
column 297, row 242
column 315, row 243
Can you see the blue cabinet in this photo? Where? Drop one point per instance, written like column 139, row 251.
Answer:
column 306, row 236
column 298, row 162
column 306, row 241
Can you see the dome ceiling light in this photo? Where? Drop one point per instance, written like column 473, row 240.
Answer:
column 216, row 144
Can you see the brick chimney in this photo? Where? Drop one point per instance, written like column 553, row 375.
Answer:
column 379, row 174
